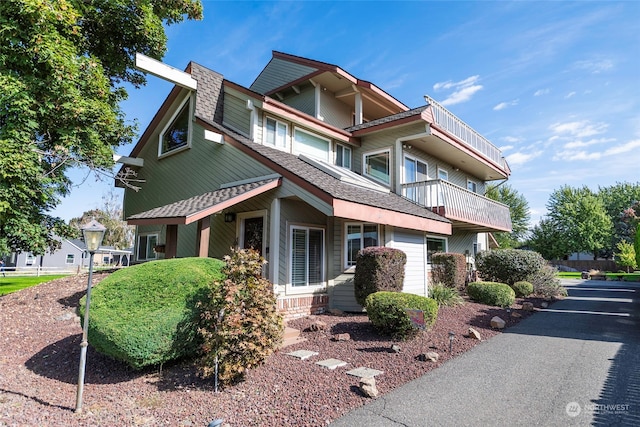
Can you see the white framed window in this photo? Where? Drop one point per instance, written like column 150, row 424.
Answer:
column 472, row 186
column 176, row 135
column 311, row 145
column 276, row 133
column 435, row 244
column 70, row 259
column 306, row 258
column 377, row 166
column 106, row 259
column 443, row 174
column 343, row 156
column 146, row 247
column 30, row 259
column 359, row 236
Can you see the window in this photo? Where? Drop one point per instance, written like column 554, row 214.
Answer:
column 376, row 166
column 434, row 245
column 106, row 259
column 306, row 256
column 70, row 259
column 146, row 245
column 359, row 236
column 176, row 134
column 343, row 156
column 311, row 145
column 276, row 133
column 30, row 259
column 415, row 171
column 472, row 186
column 443, row 174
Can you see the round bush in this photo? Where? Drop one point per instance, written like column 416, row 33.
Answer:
column 522, row 288
column 491, row 293
column 387, row 312
column 147, row 314
column 508, row 265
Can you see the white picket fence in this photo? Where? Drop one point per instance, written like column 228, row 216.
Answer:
column 45, row 271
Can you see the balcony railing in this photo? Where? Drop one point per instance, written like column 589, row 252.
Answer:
column 459, row 204
column 446, row 120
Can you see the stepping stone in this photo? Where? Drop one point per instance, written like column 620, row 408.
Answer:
column 363, row 372
column 303, row 354
column 331, row 363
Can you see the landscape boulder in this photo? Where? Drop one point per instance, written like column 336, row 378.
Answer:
column 368, row 387
column 498, row 323
column 474, row 334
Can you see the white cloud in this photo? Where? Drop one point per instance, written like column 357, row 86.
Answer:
column 595, row 66
column 573, row 155
column 463, row 90
column 579, row 129
column 541, row 92
column 569, row 95
column 522, row 158
column 510, row 139
column 503, row 105
column 506, row 147
column 631, row 145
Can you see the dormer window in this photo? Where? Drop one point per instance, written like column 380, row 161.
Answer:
column 176, row 134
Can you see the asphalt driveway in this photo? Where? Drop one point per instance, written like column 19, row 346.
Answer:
column 575, row 364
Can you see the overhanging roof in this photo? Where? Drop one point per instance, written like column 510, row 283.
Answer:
column 199, row 207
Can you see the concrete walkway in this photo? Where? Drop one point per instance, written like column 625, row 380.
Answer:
column 575, row 364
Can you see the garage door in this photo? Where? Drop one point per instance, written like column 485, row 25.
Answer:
column 415, row 274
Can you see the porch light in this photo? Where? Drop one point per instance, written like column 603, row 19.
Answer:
column 93, row 234
column 229, row 217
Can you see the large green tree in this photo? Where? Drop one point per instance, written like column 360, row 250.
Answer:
column 520, row 215
column 580, row 218
column 622, row 203
column 62, row 66
column 546, row 239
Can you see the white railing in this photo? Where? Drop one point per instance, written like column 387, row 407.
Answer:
column 48, row 271
column 458, row 203
column 446, row 120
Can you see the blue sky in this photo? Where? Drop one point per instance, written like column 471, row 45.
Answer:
column 555, row 85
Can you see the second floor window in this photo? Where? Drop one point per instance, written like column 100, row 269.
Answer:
column 176, row 134
column 377, row 166
column 311, row 145
column 343, row 156
column 472, row 186
column 276, row 133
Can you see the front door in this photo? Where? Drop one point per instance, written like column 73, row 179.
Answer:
column 253, row 233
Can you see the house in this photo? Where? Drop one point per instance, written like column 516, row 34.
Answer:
column 71, row 256
column 308, row 165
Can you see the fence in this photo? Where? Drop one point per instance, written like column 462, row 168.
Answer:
column 46, row 271
column 589, row 264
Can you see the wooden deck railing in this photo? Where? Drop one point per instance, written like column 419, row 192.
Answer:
column 459, row 204
column 446, row 120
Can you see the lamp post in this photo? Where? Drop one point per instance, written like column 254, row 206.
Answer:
column 93, row 234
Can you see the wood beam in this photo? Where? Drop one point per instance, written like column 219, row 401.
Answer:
column 171, row 242
column 202, row 240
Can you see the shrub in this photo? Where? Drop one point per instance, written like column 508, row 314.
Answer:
column 241, row 325
column 450, row 269
column 387, row 312
column 508, row 265
column 491, row 293
column 147, row 314
column 445, row 295
column 546, row 284
column 378, row 269
column 522, row 288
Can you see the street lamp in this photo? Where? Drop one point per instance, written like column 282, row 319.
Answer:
column 93, row 234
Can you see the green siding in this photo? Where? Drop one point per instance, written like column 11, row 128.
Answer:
column 334, row 111
column 278, row 73
column 236, row 114
column 305, row 101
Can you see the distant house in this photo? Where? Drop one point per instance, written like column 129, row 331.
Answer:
column 72, row 255
column 309, row 165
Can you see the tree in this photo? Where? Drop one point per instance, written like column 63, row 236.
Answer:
column 60, row 87
column 118, row 233
column 546, row 239
column 626, row 255
column 622, row 203
column 520, row 216
column 580, row 217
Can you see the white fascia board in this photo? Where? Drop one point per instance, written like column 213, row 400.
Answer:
column 166, row 72
column 213, row 137
column 130, row 161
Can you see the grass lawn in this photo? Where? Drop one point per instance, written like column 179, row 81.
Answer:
column 12, row 284
column 569, row 274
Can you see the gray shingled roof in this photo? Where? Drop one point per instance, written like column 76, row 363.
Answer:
column 331, row 185
column 191, row 206
column 393, row 117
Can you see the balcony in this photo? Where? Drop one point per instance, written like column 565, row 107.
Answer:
column 447, row 121
column 466, row 209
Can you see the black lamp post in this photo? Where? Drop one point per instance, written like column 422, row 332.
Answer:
column 93, row 234
column 451, row 337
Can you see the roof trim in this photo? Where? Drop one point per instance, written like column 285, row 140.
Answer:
column 205, row 212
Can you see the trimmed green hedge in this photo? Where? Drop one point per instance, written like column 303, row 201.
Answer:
column 378, row 268
column 146, row 314
column 509, row 265
column 491, row 293
column 387, row 312
column 522, row 288
column 450, row 269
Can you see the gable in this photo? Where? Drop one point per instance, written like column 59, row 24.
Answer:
column 278, row 73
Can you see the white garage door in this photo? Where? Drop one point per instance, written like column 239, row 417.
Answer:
column 415, row 273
